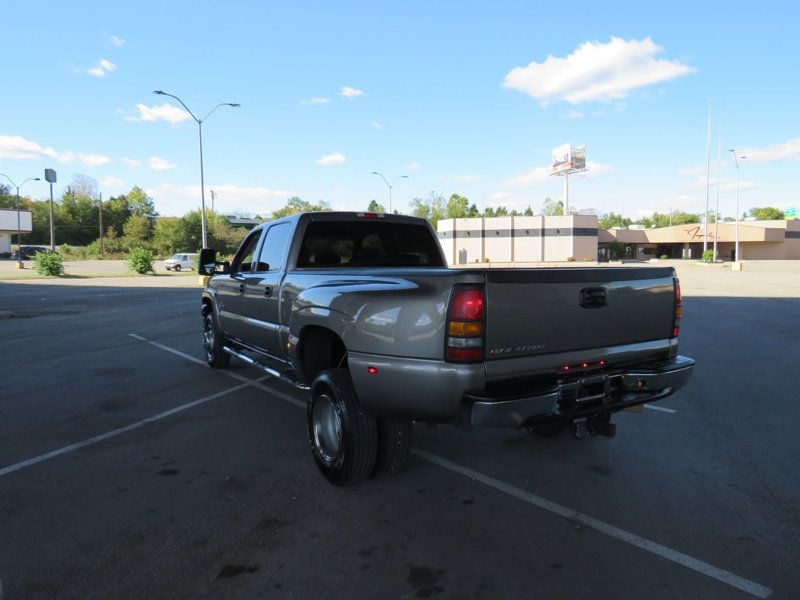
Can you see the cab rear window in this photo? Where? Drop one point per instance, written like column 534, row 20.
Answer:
column 368, row 244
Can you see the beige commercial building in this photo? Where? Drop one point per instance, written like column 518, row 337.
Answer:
column 9, row 222
column 518, row 239
column 758, row 240
column 576, row 237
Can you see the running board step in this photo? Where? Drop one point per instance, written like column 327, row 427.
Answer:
column 286, row 378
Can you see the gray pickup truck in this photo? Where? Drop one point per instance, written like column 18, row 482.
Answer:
column 362, row 312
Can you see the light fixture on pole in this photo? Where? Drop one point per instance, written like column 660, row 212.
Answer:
column 200, row 132
column 736, row 162
column 390, row 186
column 19, row 227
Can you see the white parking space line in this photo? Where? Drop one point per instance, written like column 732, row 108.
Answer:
column 110, row 434
column 690, row 562
column 232, row 375
column 661, row 408
column 617, row 533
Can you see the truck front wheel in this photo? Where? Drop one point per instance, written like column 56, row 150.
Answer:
column 342, row 435
column 213, row 342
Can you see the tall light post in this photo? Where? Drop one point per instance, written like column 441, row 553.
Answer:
column 736, row 161
column 19, row 226
column 390, row 186
column 200, row 131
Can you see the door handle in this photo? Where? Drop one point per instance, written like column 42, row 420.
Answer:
column 268, row 290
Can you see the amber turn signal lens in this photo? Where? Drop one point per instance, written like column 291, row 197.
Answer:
column 466, row 328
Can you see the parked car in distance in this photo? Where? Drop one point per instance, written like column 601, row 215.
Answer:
column 28, row 252
column 180, row 261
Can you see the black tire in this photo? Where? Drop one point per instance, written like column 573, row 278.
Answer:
column 342, row 435
column 213, row 342
column 394, row 445
column 177, row 268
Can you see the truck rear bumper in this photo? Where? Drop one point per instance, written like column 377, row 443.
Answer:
column 578, row 396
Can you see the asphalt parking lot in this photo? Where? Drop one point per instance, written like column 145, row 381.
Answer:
column 129, row 469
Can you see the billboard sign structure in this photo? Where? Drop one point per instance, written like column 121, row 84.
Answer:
column 790, row 213
column 568, row 159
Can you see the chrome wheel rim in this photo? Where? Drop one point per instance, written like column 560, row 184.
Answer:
column 208, row 339
column 327, row 428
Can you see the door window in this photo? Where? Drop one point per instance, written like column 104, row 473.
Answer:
column 243, row 260
column 273, row 250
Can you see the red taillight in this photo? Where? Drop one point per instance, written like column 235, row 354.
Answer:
column 676, row 319
column 467, row 306
column 465, row 327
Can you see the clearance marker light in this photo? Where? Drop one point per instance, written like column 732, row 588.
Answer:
column 372, row 370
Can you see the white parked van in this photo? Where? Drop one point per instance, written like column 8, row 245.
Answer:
column 180, row 261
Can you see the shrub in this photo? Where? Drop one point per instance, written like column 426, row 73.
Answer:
column 50, row 264
column 140, row 261
column 708, row 256
column 663, row 257
column 587, row 259
column 570, row 259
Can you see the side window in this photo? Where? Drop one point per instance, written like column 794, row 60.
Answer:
column 273, row 250
column 244, row 258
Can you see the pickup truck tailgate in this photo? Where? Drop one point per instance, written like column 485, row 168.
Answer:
column 536, row 312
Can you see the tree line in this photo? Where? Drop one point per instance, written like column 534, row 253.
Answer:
column 131, row 221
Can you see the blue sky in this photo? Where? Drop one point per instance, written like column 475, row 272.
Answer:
column 463, row 97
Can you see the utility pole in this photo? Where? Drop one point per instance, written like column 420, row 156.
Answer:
column 102, row 249
column 213, row 197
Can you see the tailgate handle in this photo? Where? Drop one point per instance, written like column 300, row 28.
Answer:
column 593, row 297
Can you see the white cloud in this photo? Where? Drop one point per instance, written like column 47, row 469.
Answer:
column 165, row 112
column 102, row 69
column 93, row 160
column 117, row 41
column 160, row 164
column 537, row 175
column 336, row 158
column 575, row 114
column 178, row 200
column 349, row 92
column 730, row 186
column 131, row 162
column 112, row 182
column 413, row 166
column 692, row 171
column 596, row 71
column 594, row 169
column 466, row 178
column 499, row 197
column 377, row 125
column 19, row 148
column 318, row 100
column 789, row 150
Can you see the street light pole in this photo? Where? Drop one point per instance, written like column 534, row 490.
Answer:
column 19, row 226
column 736, row 162
column 390, row 186
column 200, row 133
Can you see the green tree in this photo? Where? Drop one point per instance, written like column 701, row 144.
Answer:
column 528, row 212
column 141, row 204
column 167, row 235
column 767, row 213
column 374, row 207
column 136, row 230
column 432, row 208
column 612, row 219
column 552, row 207
column 296, row 205
column 458, row 207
